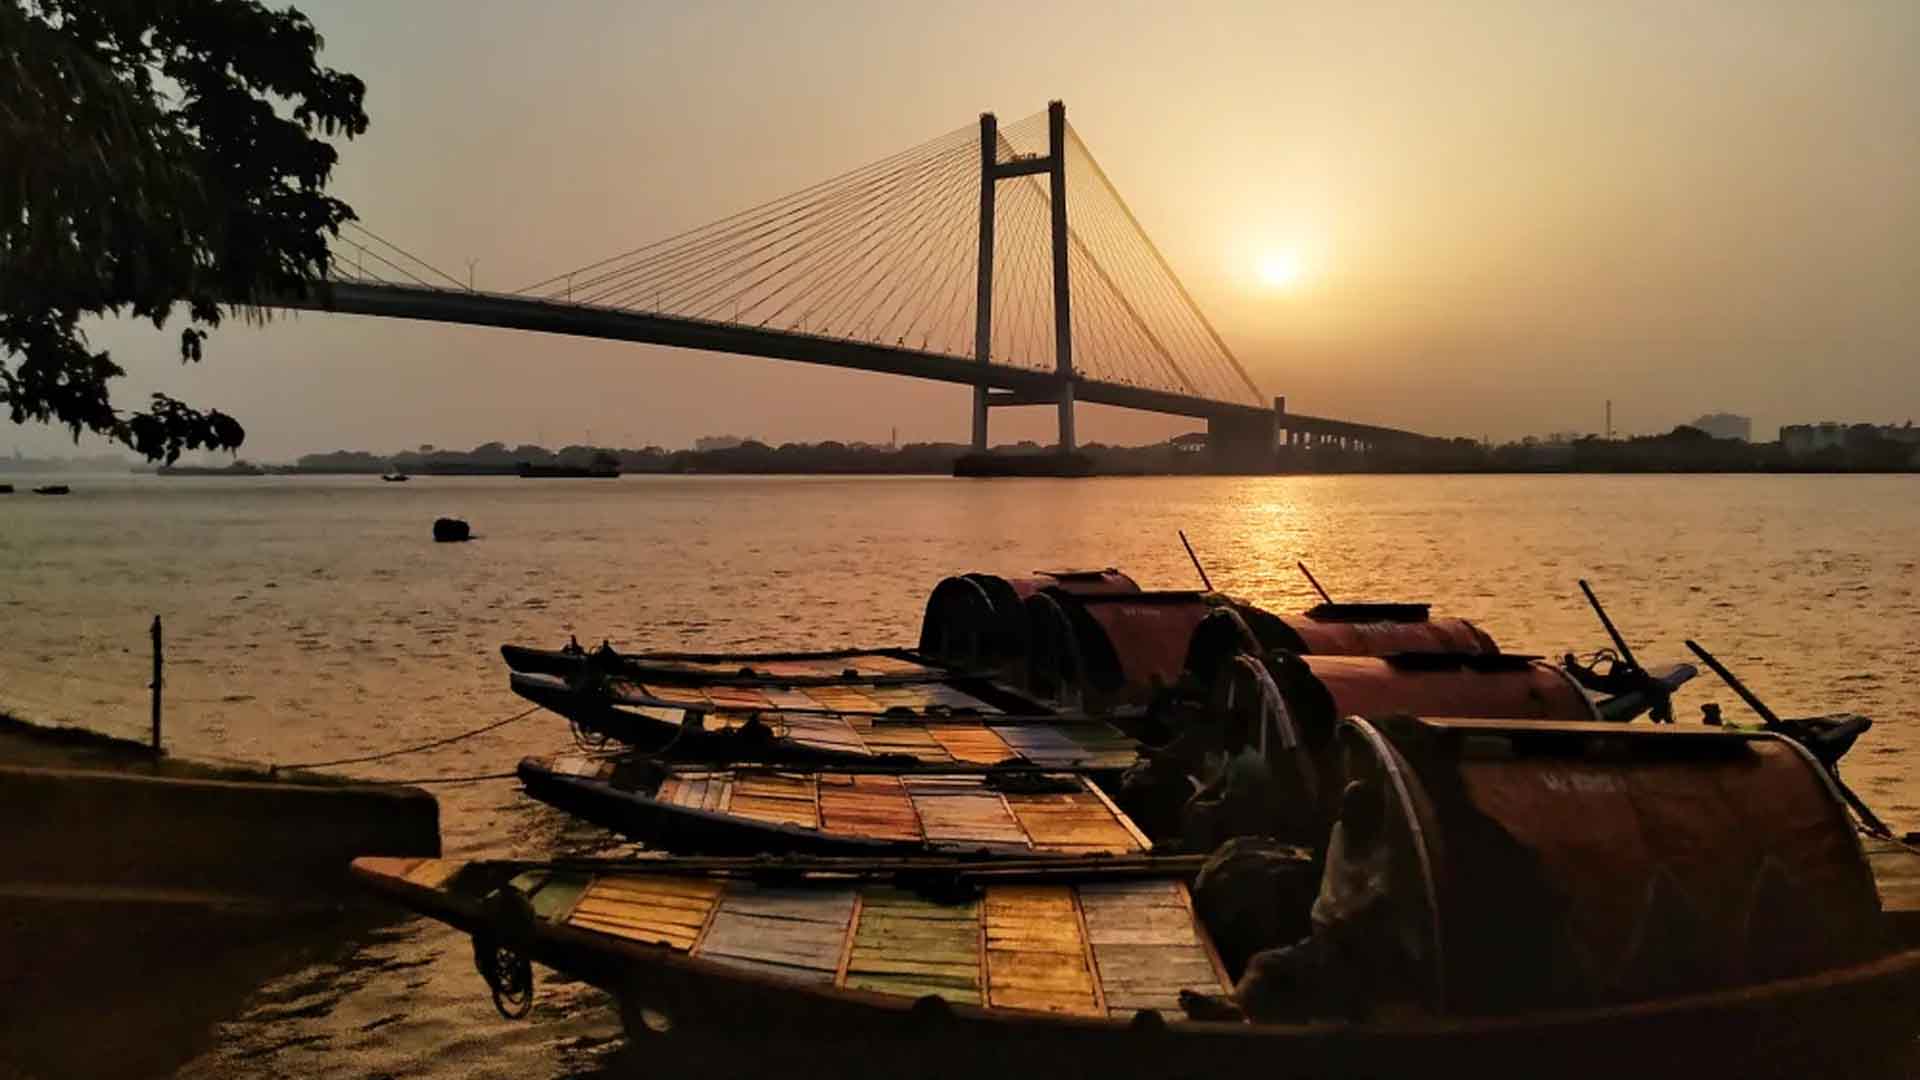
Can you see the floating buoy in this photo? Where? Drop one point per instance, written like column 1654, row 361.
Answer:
column 451, row 530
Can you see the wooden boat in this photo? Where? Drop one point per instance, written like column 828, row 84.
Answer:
column 395, row 477
column 53, row 489
column 1583, row 899
column 747, row 810
column 1095, row 639
column 791, row 708
column 1079, row 638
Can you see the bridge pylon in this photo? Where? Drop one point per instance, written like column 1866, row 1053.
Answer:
column 992, row 171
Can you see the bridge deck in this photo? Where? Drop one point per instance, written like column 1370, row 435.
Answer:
column 579, row 320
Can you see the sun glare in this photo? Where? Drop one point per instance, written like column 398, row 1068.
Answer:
column 1280, row 269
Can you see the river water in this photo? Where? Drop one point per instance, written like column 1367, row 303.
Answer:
column 312, row 618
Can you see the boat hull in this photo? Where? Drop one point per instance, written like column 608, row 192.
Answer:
column 1854, row 1021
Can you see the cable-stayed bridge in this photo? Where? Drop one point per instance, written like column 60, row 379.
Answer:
column 998, row 258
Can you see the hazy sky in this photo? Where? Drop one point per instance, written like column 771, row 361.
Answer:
column 1504, row 212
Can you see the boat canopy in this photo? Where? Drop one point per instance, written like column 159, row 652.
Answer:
column 1521, row 866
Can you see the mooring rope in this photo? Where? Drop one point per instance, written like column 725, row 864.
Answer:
column 435, row 744
column 450, row 779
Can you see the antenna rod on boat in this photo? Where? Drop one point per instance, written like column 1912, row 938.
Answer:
column 1315, row 582
column 1733, row 682
column 1772, row 720
column 1619, row 642
column 1196, row 560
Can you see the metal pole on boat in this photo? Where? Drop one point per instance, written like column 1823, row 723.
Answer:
column 1313, row 581
column 155, row 631
column 1196, row 560
column 1772, row 721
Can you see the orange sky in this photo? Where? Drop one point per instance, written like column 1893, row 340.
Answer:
column 1506, row 212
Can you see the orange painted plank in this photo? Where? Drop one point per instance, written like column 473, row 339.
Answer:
column 972, row 743
column 1036, row 955
column 875, row 806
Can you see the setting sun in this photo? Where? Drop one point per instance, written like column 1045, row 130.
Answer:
column 1280, row 269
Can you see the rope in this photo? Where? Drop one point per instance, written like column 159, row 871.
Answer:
column 482, row 730
column 475, row 779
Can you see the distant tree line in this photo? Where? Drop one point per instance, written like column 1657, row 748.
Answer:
column 1684, row 449
column 749, row 456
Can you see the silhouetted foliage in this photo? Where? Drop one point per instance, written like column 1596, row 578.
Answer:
column 153, row 154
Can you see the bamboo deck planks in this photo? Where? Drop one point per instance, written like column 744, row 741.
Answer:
column 908, row 945
column 1145, row 945
column 656, row 909
column 776, row 798
column 1036, row 957
column 975, row 744
column 1114, row 947
column 795, row 933
column 875, row 806
column 962, row 811
column 1072, row 823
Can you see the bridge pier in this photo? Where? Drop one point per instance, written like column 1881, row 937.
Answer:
column 1245, row 442
column 991, row 173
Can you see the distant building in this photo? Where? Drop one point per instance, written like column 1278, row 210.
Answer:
column 1804, row 440
column 1722, row 425
column 717, row 442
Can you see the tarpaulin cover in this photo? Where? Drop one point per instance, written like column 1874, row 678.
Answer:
column 1607, row 864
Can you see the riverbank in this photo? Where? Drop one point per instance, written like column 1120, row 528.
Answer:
column 161, row 892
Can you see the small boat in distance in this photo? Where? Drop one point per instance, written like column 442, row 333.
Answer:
column 396, row 477
column 6, row 489
column 53, row 489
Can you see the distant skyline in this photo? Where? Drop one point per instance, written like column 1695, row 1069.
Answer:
column 1479, row 219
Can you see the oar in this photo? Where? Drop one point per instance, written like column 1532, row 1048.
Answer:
column 1662, row 711
column 1773, row 723
column 1196, row 561
column 1315, row 582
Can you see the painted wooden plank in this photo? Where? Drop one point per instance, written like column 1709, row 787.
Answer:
column 882, row 664
column 664, row 919
column 910, row 697
column 659, row 909
column 434, row 873
column 1146, row 946
column 972, row 743
column 1079, row 822
column 640, row 909
column 556, row 897
column 962, row 812
column 786, row 697
column 822, row 732
column 1036, row 956
column 1042, row 744
column 907, row 944
column 657, row 885
column 792, row 933
column 676, row 695
column 886, row 737
column 738, row 697
column 954, row 700
column 781, row 798
column 874, row 806
column 842, row 699
column 785, row 941
column 676, row 938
